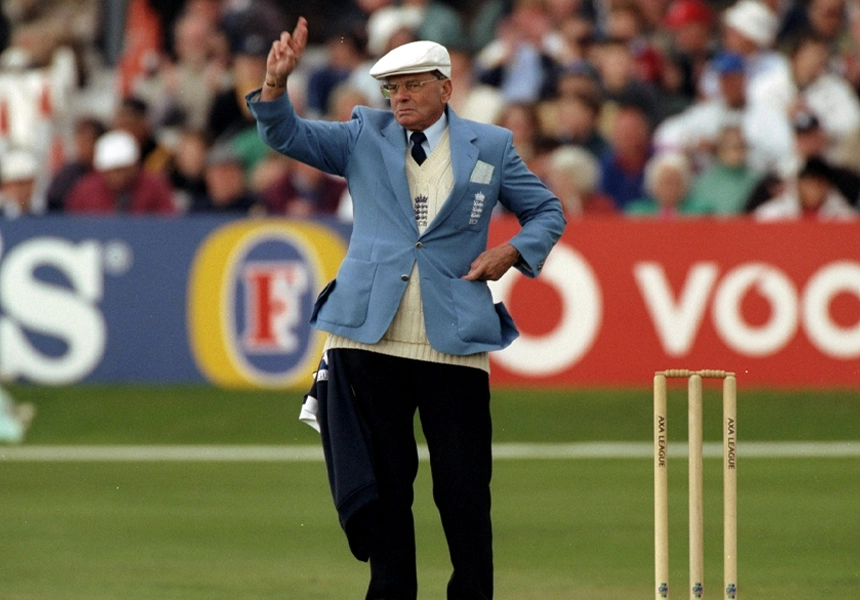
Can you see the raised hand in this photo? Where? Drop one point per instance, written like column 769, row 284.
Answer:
column 284, row 57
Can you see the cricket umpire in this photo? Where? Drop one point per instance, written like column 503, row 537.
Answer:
column 410, row 318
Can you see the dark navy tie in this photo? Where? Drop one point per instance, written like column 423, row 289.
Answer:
column 418, row 153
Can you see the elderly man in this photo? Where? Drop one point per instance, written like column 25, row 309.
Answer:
column 410, row 317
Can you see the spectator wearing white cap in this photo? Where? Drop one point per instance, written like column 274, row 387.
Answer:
column 118, row 183
column 410, row 317
column 749, row 30
column 18, row 172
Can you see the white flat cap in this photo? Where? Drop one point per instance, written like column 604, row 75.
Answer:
column 414, row 57
column 753, row 20
column 18, row 165
column 116, row 149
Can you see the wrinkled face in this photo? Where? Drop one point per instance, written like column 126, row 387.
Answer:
column 419, row 109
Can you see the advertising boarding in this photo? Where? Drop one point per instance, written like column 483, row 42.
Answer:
column 227, row 301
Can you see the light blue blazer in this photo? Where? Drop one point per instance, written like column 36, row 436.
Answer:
column 370, row 152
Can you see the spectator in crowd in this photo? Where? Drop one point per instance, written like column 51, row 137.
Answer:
column 690, row 25
column 38, row 29
column 119, row 184
column 521, row 119
column 621, row 82
column 133, row 116
column 342, row 100
column 437, row 22
column 826, row 19
column 186, row 170
column 724, row 187
column 574, row 37
column 791, row 19
column 695, row 130
column 230, row 121
column 812, row 142
column 18, row 172
column 576, row 77
column 304, row 191
column 623, row 167
column 471, row 99
column 184, row 86
column 226, row 190
column 811, row 86
column 87, row 131
column 848, row 56
column 749, row 31
column 249, row 37
column 345, row 52
column 517, row 60
column 667, row 183
column 812, row 195
column 484, row 25
column 572, row 175
column 625, row 23
column 575, row 119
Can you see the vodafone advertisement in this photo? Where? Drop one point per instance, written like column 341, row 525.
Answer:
column 779, row 304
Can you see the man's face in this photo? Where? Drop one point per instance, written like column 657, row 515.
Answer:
column 417, row 110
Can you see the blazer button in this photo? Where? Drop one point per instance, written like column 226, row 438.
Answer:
column 404, row 277
column 419, row 245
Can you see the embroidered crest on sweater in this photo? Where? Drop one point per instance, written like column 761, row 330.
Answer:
column 421, row 210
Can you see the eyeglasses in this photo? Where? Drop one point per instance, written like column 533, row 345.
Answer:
column 412, row 86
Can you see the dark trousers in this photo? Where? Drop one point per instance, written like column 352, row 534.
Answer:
column 453, row 403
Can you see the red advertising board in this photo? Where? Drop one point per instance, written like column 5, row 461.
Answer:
column 777, row 303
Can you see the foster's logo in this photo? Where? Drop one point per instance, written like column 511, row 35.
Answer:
column 251, row 291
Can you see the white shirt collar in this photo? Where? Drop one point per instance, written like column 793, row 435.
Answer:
column 433, row 133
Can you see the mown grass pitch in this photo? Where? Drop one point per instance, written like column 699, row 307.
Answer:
column 564, row 529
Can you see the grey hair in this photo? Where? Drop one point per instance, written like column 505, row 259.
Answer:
column 578, row 164
column 666, row 160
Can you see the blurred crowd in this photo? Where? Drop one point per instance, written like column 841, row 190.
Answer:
column 656, row 108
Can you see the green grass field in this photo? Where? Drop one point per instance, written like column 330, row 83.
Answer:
column 564, row 528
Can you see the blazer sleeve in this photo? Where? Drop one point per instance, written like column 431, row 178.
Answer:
column 325, row 145
column 537, row 209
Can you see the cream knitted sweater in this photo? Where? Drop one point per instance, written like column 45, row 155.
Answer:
column 430, row 185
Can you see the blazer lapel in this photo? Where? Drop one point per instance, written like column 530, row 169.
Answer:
column 394, row 157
